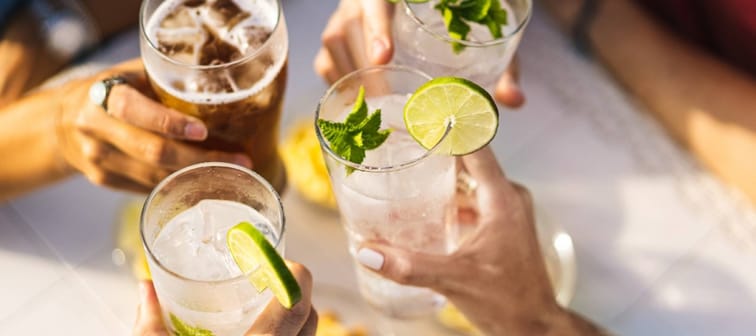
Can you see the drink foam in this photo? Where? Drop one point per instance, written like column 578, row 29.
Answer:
column 189, row 23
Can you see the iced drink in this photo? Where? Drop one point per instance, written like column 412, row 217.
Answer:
column 223, row 61
column 422, row 42
column 401, row 193
column 184, row 226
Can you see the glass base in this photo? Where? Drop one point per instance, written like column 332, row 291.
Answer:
column 396, row 300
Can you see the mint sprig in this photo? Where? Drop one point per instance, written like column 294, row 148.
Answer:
column 459, row 14
column 360, row 132
column 181, row 328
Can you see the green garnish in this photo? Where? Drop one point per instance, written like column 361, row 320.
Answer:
column 357, row 134
column 458, row 14
column 181, row 328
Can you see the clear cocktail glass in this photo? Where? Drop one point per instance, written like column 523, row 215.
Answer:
column 183, row 229
column 401, row 193
column 422, row 41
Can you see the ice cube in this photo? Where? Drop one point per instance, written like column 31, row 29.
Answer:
column 180, row 17
column 210, row 82
column 215, row 50
column 226, row 13
column 255, row 36
column 180, row 44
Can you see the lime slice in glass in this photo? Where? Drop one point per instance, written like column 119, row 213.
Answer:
column 455, row 103
column 253, row 253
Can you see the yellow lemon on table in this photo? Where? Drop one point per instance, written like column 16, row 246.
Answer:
column 452, row 318
column 305, row 166
column 329, row 324
column 128, row 240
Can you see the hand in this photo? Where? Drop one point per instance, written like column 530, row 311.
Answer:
column 354, row 40
column 301, row 320
column 137, row 142
column 497, row 277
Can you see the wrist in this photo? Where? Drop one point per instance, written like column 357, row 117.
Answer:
column 564, row 322
column 546, row 320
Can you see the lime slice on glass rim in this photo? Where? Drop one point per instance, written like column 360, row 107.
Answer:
column 465, row 108
column 253, row 253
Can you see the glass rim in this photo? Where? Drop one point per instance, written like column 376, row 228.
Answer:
column 368, row 168
column 474, row 44
column 196, row 166
column 240, row 60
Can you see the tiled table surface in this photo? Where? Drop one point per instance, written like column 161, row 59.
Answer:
column 662, row 248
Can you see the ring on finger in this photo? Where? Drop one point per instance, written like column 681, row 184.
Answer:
column 100, row 90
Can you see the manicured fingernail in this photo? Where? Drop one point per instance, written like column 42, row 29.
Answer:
column 243, row 160
column 379, row 48
column 370, row 258
column 195, row 130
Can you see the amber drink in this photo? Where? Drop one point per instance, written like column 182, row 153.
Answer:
column 223, row 61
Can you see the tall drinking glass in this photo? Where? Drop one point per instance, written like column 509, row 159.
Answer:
column 183, row 228
column 225, row 63
column 422, row 41
column 401, row 193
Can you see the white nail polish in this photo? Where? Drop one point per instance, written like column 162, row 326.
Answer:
column 370, row 258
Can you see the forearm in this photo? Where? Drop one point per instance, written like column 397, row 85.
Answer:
column 24, row 61
column 29, row 145
column 707, row 106
column 569, row 323
column 559, row 322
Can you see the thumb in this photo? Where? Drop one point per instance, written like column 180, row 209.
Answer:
column 405, row 267
column 377, row 29
column 149, row 317
column 508, row 91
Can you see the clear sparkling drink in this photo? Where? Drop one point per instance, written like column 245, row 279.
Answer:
column 411, row 209
column 183, row 228
column 401, row 194
column 422, row 42
column 193, row 245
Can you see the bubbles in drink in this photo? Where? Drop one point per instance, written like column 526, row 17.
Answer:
column 216, row 32
column 224, row 62
column 193, row 244
column 412, row 208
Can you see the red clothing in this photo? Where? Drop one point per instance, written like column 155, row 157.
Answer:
column 725, row 27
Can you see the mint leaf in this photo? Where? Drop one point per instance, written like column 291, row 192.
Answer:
column 359, row 111
column 357, row 134
column 183, row 329
column 334, row 132
column 373, row 122
column 459, row 14
column 498, row 14
column 473, row 10
column 457, row 28
column 372, row 141
column 494, row 27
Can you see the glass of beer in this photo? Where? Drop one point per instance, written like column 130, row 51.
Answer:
column 224, row 62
